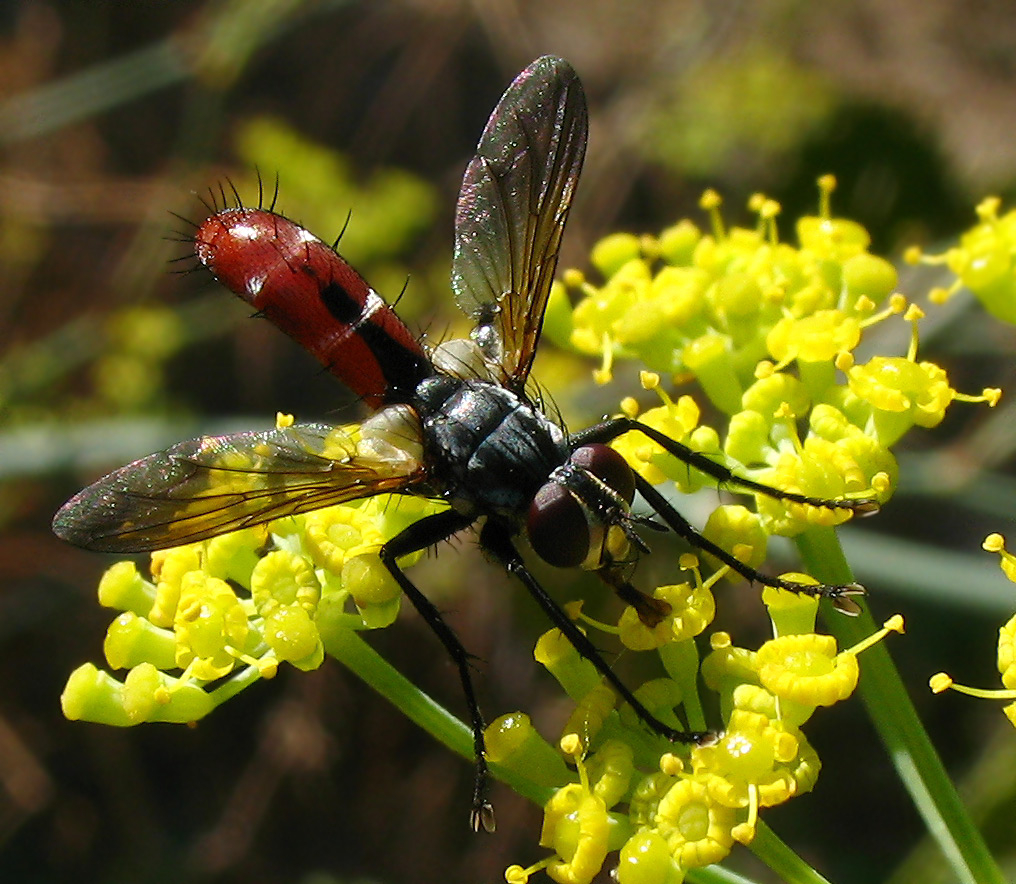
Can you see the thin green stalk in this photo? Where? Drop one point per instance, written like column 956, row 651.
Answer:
column 896, row 720
column 367, row 664
column 681, row 660
column 776, row 854
column 717, row 875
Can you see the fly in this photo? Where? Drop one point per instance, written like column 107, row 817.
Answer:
column 452, row 423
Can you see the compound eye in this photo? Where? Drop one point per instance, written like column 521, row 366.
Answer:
column 557, row 527
column 608, row 466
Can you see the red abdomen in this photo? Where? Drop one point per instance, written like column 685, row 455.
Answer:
column 307, row 290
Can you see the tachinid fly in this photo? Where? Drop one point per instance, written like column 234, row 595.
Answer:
column 453, row 423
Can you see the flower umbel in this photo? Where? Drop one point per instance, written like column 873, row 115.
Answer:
column 216, row 616
column 1006, row 645
column 671, row 808
column 769, row 331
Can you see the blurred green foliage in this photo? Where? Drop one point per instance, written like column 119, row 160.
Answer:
column 110, row 114
column 750, row 110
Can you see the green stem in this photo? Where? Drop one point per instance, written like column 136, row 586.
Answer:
column 233, row 686
column 716, row 875
column 681, row 660
column 775, row 853
column 908, row 744
column 367, row 664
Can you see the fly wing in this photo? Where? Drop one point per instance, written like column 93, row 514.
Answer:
column 512, row 211
column 215, row 484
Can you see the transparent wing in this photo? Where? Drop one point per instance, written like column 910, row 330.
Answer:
column 215, row 484
column 512, row 211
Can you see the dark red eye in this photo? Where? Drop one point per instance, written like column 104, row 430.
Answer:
column 557, row 527
column 606, row 464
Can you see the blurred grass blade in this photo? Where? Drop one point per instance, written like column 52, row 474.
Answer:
column 90, row 92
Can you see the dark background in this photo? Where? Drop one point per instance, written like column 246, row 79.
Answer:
column 113, row 114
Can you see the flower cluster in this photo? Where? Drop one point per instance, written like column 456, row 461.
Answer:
column 941, row 681
column 984, row 261
column 128, row 375
column 666, row 811
column 213, row 617
column 768, row 331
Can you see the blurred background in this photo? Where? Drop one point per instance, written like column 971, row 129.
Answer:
column 114, row 115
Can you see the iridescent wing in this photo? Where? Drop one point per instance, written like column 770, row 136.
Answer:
column 512, row 211
column 214, row 484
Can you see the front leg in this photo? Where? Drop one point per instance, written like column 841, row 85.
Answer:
column 495, row 539
column 839, row 594
column 421, row 535
column 618, row 426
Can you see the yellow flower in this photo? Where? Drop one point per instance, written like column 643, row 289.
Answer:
column 282, row 577
column 645, row 858
column 147, row 695
column 941, row 681
column 807, row 670
column 736, row 528
column 233, row 556
column 728, row 665
column 1006, row 560
column 815, row 338
column 338, row 533
column 676, row 420
column 292, row 635
column 211, row 626
column 169, row 567
column 574, row 673
column 514, row 743
column 612, row 252
column 590, row 713
column 646, row 797
column 695, row 826
column 374, row 590
column 1007, row 653
column 748, row 763
column 895, row 384
column 124, row 589
column 577, row 828
column 691, row 610
column 131, row 640
column 610, row 771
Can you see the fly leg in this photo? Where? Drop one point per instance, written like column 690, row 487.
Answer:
column 839, row 594
column 495, row 539
column 618, row 426
column 421, row 535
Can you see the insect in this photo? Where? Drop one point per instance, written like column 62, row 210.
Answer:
column 453, row 422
